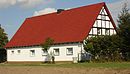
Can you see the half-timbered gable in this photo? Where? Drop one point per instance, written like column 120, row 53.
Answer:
column 103, row 25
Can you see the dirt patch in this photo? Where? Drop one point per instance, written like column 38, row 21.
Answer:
column 59, row 70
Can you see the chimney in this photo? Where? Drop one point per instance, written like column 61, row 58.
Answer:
column 59, row 11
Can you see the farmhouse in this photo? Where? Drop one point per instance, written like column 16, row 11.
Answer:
column 68, row 29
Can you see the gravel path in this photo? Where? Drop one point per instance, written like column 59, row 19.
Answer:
column 59, row 70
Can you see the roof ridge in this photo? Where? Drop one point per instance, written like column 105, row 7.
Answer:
column 66, row 10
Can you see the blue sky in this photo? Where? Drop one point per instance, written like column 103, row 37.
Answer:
column 14, row 12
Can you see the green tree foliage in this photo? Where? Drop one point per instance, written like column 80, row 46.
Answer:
column 104, row 48
column 46, row 45
column 3, row 55
column 124, row 31
column 3, row 37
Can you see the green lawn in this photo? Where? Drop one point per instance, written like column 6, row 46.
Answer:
column 78, row 65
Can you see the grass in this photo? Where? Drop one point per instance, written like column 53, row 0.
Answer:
column 78, row 65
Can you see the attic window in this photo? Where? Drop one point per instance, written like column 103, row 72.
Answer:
column 103, row 17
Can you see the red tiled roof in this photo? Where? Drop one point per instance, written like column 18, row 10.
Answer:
column 68, row 26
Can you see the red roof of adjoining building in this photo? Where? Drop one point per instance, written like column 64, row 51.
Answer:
column 68, row 26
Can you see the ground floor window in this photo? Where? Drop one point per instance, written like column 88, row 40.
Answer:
column 69, row 51
column 12, row 52
column 19, row 51
column 56, row 52
column 32, row 52
column 44, row 52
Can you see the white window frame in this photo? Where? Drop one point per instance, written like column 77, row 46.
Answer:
column 56, row 53
column 103, row 17
column 44, row 52
column 107, row 32
column 18, row 51
column 98, row 31
column 32, row 53
column 12, row 51
column 68, row 52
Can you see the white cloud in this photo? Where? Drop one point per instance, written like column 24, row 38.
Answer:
column 6, row 3
column 32, row 3
column 23, row 3
column 116, row 7
column 45, row 11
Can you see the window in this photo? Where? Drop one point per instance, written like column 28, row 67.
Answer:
column 56, row 52
column 98, row 31
column 69, row 51
column 103, row 17
column 12, row 52
column 44, row 52
column 107, row 31
column 32, row 52
column 19, row 51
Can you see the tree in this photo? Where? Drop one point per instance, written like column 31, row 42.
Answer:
column 3, row 41
column 104, row 48
column 124, row 31
column 3, row 37
column 93, row 46
column 45, row 46
column 3, row 55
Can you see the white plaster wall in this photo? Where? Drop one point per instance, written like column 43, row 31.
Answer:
column 26, row 56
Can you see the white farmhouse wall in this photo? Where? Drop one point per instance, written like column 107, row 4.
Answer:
column 25, row 54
